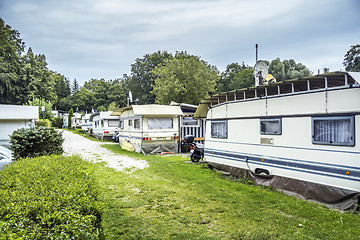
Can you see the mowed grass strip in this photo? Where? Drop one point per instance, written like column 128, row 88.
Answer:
column 175, row 199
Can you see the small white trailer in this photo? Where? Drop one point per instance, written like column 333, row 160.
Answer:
column 104, row 125
column 300, row 136
column 149, row 128
column 13, row 117
column 76, row 120
column 86, row 124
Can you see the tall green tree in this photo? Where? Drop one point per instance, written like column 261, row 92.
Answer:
column 62, row 86
column 287, row 69
column 243, row 79
column 141, row 80
column 38, row 78
column 99, row 93
column 235, row 76
column 11, row 48
column 75, row 87
column 71, row 114
column 352, row 59
column 184, row 78
column 62, row 89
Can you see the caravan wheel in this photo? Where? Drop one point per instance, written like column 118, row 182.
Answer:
column 261, row 171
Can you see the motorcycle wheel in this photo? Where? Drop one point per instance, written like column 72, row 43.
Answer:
column 194, row 158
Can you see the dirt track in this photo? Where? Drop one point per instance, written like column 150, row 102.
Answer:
column 91, row 150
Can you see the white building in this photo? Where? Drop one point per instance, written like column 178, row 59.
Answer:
column 13, row 117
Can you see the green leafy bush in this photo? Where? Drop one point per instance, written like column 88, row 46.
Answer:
column 58, row 122
column 50, row 197
column 43, row 123
column 38, row 141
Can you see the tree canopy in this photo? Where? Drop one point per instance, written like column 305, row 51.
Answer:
column 141, row 80
column 11, row 47
column 184, row 78
column 98, row 93
column 352, row 59
column 236, row 76
column 287, row 69
column 23, row 77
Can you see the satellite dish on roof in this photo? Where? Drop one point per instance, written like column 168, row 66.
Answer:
column 260, row 72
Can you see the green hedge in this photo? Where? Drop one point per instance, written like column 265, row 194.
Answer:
column 58, row 122
column 43, row 123
column 52, row 197
column 34, row 142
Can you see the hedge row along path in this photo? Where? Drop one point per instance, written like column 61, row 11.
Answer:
column 92, row 151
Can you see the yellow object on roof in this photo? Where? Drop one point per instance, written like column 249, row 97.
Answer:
column 270, row 77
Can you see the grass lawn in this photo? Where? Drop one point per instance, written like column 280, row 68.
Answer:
column 175, row 199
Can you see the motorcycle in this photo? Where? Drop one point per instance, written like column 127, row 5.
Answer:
column 196, row 149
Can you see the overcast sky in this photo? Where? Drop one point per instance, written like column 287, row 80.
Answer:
column 86, row 39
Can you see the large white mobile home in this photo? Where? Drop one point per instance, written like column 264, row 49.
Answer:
column 149, row 128
column 103, row 125
column 300, row 136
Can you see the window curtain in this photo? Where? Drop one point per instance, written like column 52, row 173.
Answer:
column 333, row 131
column 219, row 129
column 160, row 123
column 113, row 123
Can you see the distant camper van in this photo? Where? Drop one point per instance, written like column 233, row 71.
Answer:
column 300, row 136
column 86, row 124
column 103, row 125
column 149, row 128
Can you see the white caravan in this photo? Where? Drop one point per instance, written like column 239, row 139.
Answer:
column 86, row 124
column 104, row 126
column 149, row 128
column 300, row 136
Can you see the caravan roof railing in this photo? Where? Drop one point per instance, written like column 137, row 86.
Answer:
column 321, row 82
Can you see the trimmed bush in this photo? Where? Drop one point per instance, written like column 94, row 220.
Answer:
column 38, row 141
column 50, row 197
column 43, row 123
column 58, row 122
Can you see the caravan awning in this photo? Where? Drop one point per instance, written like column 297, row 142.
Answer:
column 150, row 110
column 288, row 87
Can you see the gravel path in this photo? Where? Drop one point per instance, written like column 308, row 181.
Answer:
column 91, row 150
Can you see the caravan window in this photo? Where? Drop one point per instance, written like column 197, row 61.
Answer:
column 271, row 126
column 113, row 123
column 336, row 130
column 137, row 123
column 121, row 124
column 160, row 123
column 219, row 129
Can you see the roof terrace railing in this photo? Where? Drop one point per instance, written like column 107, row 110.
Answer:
column 324, row 82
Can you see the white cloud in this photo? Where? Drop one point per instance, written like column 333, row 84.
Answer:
column 90, row 38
